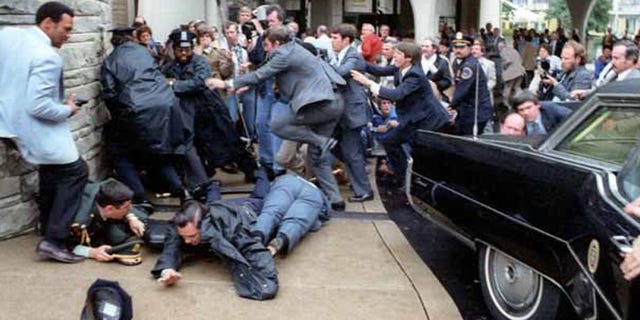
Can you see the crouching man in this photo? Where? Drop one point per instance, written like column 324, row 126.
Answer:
column 232, row 230
column 106, row 226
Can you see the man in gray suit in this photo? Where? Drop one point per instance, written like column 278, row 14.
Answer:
column 624, row 58
column 307, row 84
column 574, row 75
column 356, row 114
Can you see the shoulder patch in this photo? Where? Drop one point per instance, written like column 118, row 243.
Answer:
column 467, row 73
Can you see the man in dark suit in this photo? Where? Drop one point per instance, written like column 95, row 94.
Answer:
column 416, row 106
column 540, row 118
column 436, row 67
column 307, row 84
column 356, row 113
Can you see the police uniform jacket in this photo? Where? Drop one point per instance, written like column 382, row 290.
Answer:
column 464, row 96
column 144, row 110
column 189, row 86
column 90, row 229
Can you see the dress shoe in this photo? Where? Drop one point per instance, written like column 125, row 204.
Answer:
column 338, row 206
column 327, row 146
column 230, row 168
column 362, row 198
column 47, row 250
column 278, row 244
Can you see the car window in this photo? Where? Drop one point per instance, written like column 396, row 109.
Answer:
column 607, row 135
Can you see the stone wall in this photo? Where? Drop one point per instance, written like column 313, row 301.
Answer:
column 82, row 57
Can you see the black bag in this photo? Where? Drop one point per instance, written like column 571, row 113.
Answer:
column 106, row 300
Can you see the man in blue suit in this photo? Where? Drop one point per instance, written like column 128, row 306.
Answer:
column 33, row 115
column 416, row 106
column 356, row 111
column 540, row 118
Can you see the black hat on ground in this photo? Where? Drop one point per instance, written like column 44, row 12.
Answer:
column 106, row 300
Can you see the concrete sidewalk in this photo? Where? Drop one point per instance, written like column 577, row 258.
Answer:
column 353, row 268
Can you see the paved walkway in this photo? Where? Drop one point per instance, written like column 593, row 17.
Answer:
column 359, row 266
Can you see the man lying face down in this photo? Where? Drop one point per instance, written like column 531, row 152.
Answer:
column 277, row 215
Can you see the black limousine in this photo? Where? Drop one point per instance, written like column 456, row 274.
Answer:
column 544, row 213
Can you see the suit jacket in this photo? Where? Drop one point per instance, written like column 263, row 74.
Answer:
column 579, row 78
column 442, row 77
column 412, row 95
column 356, row 113
column 301, row 77
column 511, row 64
column 552, row 114
column 31, row 108
column 633, row 74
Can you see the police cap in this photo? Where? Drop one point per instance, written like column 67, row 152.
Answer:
column 461, row 40
column 182, row 38
column 122, row 30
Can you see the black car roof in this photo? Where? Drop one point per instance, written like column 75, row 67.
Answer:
column 621, row 87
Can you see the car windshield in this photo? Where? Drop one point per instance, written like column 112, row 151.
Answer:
column 607, row 135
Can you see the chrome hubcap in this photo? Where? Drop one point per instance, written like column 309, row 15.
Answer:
column 515, row 288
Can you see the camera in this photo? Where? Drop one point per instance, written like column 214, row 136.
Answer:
column 545, row 66
column 249, row 29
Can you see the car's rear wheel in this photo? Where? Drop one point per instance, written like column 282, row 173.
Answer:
column 513, row 291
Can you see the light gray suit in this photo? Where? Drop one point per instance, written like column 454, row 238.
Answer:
column 355, row 117
column 307, row 84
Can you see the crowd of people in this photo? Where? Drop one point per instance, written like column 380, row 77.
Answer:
column 182, row 109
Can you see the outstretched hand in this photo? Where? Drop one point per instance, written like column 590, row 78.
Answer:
column 361, row 78
column 169, row 277
column 213, row 83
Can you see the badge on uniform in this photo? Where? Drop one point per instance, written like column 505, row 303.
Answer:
column 467, row 73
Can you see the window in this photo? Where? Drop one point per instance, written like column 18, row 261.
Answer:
column 629, row 177
column 607, row 135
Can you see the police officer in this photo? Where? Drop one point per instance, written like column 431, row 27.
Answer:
column 145, row 116
column 106, row 218
column 186, row 75
column 470, row 84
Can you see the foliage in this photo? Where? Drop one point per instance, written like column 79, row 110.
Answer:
column 598, row 20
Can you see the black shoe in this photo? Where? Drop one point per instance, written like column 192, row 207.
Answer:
column 230, row 168
column 362, row 198
column 327, row 146
column 278, row 244
column 338, row 206
column 47, row 250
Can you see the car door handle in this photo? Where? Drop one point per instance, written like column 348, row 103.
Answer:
column 624, row 244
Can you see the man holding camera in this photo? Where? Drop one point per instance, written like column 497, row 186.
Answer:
column 268, row 104
column 574, row 74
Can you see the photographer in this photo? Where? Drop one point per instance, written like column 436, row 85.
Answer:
column 268, row 105
column 547, row 65
column 574, row 75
